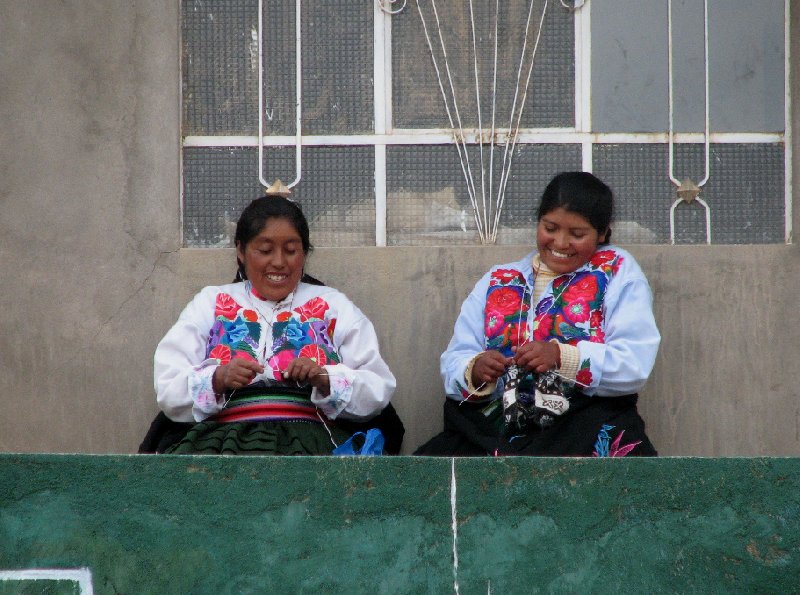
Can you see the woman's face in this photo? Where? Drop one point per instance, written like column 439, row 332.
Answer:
column 566, row 240
column 274, row 259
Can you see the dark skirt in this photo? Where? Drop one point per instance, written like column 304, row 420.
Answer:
column 260, row 438
column 593, row 426
column 264, row 420
column 265, row 437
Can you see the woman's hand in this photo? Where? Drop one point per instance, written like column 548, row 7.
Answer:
column 237, row 373
column 306, row 371
column 488, row 367
column 538, row 356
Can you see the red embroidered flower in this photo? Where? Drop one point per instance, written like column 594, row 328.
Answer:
column 542, row 325
column 597, row 336
column 313, row 308
column 315, row 353
column 559, row 281
column 250, row 315
column 515, row 335
column 506, row 276
column 577, row 311
column 584, row 377
column 596, row 319
column 331, row 326
column 584, row 288
column 493, row 324
column 222, row 353
column 283, row 316
column 602, row 257
column 226, row 306
column 504, row 301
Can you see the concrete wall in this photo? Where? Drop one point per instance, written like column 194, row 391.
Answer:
column 93, row 272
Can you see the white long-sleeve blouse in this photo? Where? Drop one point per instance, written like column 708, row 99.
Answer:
column 604, row 309
column 314, row 321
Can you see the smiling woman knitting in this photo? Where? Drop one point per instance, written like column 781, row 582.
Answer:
column 273, row 363
column 549, row 352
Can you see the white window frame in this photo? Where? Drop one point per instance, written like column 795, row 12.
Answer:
column 385, row 134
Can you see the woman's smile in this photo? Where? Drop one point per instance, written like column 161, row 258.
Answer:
column 566, row 240
column 274, row 259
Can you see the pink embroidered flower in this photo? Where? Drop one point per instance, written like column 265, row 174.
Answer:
column 577, row 311
column 315, row 353
column 241, row 354
column 493, row 324
column 226, row 306
column 313, row 308
column 250, row 315
column 506, row 276
column 279, row 361
column 222, row 353
column 504, row 301
column 620, row 450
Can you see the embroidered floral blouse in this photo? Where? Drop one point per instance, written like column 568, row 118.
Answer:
column 229, row 321
column 604, row 309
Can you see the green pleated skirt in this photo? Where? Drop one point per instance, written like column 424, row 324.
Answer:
column 260, row 438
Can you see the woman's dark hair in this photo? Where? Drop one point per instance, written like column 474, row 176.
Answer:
column 254, row 217
column 582, row 193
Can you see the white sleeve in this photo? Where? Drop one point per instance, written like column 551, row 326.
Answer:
column 467, row 341
column 622, row 364
column 361, row 384
column 182, row 374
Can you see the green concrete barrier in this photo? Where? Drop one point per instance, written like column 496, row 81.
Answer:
column 167, row 524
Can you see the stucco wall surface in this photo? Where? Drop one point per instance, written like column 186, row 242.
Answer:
column 94, row 274
column 377, row 525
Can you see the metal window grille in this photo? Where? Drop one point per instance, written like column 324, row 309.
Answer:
column 379, row 163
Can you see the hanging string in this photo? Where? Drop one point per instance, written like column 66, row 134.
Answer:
column 487, row 213
column 501, row 194
column 463, row 158
column 480, row 120
column 494, row 100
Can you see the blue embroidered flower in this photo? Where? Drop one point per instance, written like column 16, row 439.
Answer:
column 236, row 330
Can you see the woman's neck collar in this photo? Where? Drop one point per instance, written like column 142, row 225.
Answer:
column 541, row 268
column 251, row 288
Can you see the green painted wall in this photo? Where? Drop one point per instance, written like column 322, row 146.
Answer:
column 162, row 524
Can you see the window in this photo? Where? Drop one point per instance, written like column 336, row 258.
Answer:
column 378, row 161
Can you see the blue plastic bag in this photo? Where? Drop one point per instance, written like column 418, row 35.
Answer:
column 369, row 444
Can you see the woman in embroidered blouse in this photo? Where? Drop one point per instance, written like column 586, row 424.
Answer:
column 549, row 352
column 269, row 364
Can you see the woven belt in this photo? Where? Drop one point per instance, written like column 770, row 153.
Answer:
column 261, row 403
